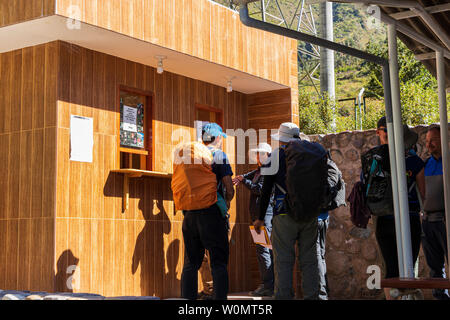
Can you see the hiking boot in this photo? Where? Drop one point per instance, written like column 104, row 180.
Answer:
column 205, row 296
column 261, row 292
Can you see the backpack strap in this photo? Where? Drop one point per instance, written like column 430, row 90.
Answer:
column 372, row 173
column 281, row 188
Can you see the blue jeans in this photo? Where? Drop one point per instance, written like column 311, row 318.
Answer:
column 264, row 256
column 205, row 229
column 434, row 242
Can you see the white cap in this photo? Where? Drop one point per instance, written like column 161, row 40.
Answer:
column 262, row 147
column 287, row 132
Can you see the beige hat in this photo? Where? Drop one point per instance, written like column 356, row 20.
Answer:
column 287, row 132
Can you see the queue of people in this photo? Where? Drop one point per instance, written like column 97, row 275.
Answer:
column 299, row 219
column 425, row 202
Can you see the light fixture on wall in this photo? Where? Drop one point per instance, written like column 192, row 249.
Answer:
column 230, row 84
column 160, row 66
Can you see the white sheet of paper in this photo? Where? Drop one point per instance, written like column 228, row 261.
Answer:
column 129, row 119
column 81, row 138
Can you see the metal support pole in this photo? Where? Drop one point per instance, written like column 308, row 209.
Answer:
column 394, row 180
column 440, row 66
column 402, row 190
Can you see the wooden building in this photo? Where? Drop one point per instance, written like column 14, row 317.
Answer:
column 96, row 226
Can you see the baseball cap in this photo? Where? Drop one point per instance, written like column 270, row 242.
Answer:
column 213, row 130
column 381, row 123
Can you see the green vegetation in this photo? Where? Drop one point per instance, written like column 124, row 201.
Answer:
column 353, row 27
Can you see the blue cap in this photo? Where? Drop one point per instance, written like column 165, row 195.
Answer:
column 213, row 130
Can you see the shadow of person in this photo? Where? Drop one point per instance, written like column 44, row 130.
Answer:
column 66, row 267
column 149, row 249
column 172, row 278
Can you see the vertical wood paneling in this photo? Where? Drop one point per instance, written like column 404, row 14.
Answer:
column 3, row 249
column 61, row 249
column 37, row 173
column 16, row 91
column 97, row 261
column 49, row 195
column 109, row 258
column 12, row 253
column 4, row 175
column 23, row 265
column 5, row 92
column 36, row 254
column 28, row 152
column 14, row 167
column 119, row 263
column 38, row 108
column 27, row 89
column 24, row 174
column 14, row 11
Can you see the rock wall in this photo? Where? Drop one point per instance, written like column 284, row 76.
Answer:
column 350, row 250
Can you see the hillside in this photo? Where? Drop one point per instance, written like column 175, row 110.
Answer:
column 352, row 27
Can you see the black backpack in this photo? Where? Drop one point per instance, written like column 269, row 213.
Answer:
column 377, row 180
column 306, row 179
column 335, row 188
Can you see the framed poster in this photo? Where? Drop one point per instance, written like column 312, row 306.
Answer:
column 132, row 125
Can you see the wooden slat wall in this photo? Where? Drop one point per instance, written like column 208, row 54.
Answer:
column 139, row 252
column 196, row 27
column 15, row 11
column 267, row 110
column 28, row 166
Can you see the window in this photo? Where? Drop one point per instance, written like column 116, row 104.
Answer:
column 136, row 129
column 206, row 114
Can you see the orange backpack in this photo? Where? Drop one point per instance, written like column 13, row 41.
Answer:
column 194, row 185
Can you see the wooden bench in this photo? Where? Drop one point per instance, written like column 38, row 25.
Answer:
column 411, row 286
column 416, row 283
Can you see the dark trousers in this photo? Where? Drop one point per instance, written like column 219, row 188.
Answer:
column 205, row 229
column 434, row 242
column 321, row 243
column 387, row 241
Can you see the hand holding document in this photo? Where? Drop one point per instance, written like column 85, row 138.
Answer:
column 261, row 238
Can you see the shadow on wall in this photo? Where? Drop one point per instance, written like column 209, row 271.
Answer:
column 66, row 268
column 149, row 251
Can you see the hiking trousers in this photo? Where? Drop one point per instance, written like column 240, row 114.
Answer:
column 286, row 234
column 264, row 256
column 321, row 244
column 434, row 243
column 205, row 229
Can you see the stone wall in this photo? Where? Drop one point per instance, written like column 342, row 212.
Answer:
column 350, row 250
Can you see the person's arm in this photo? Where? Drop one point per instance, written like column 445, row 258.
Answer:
column 266, row 191
column 256, row 187
column 249, row 175
column 243, row 178
column 420, row 180
column 229, row 190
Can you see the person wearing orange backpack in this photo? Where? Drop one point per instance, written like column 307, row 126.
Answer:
column 203, row 189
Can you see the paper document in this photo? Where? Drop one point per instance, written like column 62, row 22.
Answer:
column 262, row 238
column 81, row 138
column 129, row 119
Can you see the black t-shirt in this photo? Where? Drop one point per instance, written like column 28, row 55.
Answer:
column 221, row 167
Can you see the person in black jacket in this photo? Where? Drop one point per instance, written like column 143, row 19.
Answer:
column 253, row 180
